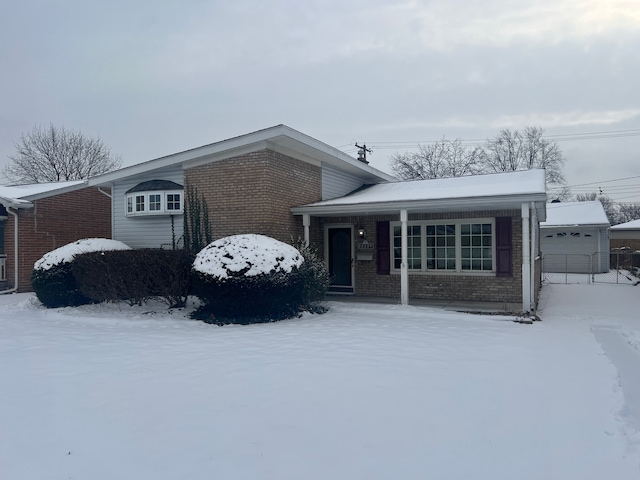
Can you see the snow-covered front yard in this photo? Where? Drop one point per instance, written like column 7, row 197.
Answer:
column 362, row 392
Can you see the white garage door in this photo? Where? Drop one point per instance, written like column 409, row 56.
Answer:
column 569, row 250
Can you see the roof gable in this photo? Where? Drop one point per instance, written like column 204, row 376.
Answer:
column 280, row 138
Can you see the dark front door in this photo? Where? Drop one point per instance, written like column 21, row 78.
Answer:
column 340, row 256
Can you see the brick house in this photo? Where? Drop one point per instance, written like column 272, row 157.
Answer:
column 47, row 215
column 380, row 237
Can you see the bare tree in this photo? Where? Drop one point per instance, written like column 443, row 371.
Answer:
column 446, row 158
column 515, row 150
column 55, row 154
column 628, row 212
column 610, row 207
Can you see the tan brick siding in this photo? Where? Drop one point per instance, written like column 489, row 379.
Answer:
column 253, row 193
column 438, row 287
column 52, row 223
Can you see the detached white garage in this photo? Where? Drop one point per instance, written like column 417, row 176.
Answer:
column 575, row 238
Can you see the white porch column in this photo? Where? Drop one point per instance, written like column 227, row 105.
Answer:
column 404, row 266
column 526, row 260
column 534, row 252
column 306, row 222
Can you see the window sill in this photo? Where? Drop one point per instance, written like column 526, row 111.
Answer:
column 447, row 274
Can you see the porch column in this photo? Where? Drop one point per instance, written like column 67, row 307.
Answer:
column 404, row 265
column 526, row 260
column 306, row 221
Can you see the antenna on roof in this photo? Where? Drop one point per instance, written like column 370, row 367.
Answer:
column 362, row 152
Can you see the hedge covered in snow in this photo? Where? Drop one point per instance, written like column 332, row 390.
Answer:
column 52, row 278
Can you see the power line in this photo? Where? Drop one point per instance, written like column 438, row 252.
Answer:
column 409, row 144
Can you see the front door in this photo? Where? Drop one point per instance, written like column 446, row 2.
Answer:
column 340, row 257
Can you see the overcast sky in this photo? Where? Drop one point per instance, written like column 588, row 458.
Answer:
column 153, row 78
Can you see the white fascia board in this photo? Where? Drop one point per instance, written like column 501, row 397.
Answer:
column 280, row 135
column 576, row 225
column 507, row 202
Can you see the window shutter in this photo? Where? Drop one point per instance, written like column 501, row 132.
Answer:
column 503, row 247
column 504, row 263
column 383, row 248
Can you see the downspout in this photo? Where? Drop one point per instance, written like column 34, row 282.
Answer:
column 404, row 266
column 103, row 192
column 526, row 260
column 15, row 253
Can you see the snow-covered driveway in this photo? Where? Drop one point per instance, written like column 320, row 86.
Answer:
column 363, row 392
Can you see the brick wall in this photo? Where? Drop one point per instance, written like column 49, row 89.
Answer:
column 438, row 287
column 52, row 223
column 253, row 193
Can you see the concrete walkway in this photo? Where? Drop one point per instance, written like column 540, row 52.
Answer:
column 457, row 306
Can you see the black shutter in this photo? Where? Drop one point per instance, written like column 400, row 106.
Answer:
column 504, row 263
column 383, row 248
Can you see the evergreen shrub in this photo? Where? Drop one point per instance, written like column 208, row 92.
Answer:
column 135, row 276
column 52, row 277
column 248, row 279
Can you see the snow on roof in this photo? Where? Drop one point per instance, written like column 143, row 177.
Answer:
column 575, row 213
column 489, row 185
column 20, row 194
column 632, row 225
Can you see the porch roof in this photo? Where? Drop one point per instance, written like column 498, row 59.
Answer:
column 477, row 192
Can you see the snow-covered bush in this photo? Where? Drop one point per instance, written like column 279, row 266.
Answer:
column 134, row 276
column 248, row 279
column 316, row 278
column 52, row 278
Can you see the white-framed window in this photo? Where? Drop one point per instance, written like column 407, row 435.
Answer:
column 446, row 246
column 153, row 203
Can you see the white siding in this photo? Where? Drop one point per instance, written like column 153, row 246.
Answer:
column 604, row 249
column 337, row 183
column 145, row 231
column 575, row 249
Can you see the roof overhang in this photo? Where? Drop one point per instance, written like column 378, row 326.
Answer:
column 15, row 203
column 578, row 225
column 281, row 139
column 505, row 202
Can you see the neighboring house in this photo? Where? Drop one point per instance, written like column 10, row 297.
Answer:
column 626, row 235
column 47, row 215
column 467, row 238
column 575, row 238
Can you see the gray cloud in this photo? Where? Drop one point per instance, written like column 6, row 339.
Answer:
column 153, row 78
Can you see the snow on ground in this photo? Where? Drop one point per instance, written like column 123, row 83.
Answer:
column 362, row 392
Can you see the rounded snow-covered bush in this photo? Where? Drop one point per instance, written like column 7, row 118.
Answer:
column 248, row 278
column 52, row 278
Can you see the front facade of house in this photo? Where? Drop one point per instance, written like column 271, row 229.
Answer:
column 35, row 219
column 463, row 246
